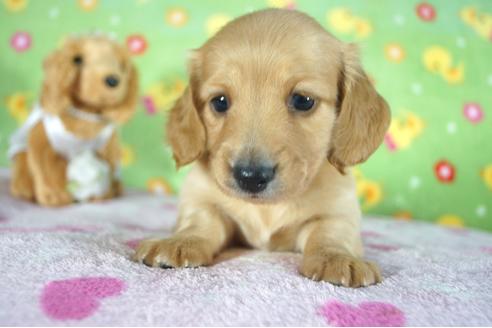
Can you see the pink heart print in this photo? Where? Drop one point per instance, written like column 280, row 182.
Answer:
column 77, row 298
column 366, row 314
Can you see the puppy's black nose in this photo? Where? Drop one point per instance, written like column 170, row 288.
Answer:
column 112, row 81
column 253, row 179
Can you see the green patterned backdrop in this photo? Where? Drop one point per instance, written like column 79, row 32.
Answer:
column 431, row 60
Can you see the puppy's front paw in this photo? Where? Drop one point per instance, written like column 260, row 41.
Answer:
column 174, row 252
column 340, row 269
column 53, row 197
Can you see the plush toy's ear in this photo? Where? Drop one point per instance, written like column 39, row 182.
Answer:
column 60, row 73
column 124, row 111
column 185, row 130
column 363, row 116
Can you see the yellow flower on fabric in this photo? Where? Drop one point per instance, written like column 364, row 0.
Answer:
column 176, row 17
column 402, row 215
column 127, row 155
column 404, row 129
column 486, row 175
column 216, row 22
column 342, row 20
column 161, row 96
column 159, row 186
column 17, row 105
column 454, row 74
column 15, row 5
column 437, row 59
column 362, row 28
column 468, row 15
column 394, row 52
column 281, row 3
column 88, row 5
column 481, row 22
column 450, row 220
column 370, row 192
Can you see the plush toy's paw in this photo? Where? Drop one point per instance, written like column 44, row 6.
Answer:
column 115, row 190
column 21, row 187
column 174, row 252
column 340, row 269
column 53, row 197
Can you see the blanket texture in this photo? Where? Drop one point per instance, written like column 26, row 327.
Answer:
column 72, row 266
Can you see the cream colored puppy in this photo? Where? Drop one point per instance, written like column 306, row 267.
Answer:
column 276, row 109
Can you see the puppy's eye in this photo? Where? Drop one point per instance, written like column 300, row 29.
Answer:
column 220, row 103
column 300, row 102
column 77, row 60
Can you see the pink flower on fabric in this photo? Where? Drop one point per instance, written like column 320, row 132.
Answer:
column 136, row 44
column 133, row 243
column 149, row 105
column 20, row 41
column 486, row 249
column 383, row 247
column 78, row 298
column 425, row 12
column 366, row 314
column 473, row 112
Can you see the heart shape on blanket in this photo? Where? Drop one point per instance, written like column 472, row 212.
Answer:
column 366, row 314
column 77, row 298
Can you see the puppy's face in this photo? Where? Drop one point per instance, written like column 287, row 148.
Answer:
column 265, row 100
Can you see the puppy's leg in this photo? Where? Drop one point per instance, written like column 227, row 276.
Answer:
column 21, row 184
column 48, row 170
column 332, row 251
column 201, row 234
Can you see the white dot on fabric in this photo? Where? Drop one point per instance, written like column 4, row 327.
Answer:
column 399, row 19
column 416, row 88
column 414, row 182
column 481, row 210
column 489, row 80
column 461, row 42
column 54, row 13
column 451, row 127
column 115, row 20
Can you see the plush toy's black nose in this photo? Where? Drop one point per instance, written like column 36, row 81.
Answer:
column 112, row 81
column 253, row 179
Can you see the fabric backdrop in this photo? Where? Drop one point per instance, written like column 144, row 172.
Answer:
column 430, row 60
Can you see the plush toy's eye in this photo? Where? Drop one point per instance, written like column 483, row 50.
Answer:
column 300, row 102
column 220, row 103
column 77, row 60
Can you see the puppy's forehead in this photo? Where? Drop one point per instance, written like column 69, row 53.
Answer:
column 273, row 45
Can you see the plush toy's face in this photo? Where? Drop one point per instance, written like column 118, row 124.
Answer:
column 90, row 73
column 103, row 73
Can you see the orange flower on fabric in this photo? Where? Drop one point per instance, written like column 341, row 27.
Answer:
column 15, row 5
column 88, row 5
column 176, row 17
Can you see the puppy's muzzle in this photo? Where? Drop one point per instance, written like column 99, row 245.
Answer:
column 252, row 178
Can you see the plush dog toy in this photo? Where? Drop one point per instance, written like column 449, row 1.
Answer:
column 67, row 150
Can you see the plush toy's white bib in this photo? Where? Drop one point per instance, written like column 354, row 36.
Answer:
column 88, row 175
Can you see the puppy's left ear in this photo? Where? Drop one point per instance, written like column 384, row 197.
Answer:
column 124, row 111
column 363, row 117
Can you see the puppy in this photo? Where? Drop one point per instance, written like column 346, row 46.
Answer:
column 89, row 86
column 275, row 112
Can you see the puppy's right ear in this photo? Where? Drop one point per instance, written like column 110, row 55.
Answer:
column 185, row 130
column 60, row 73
